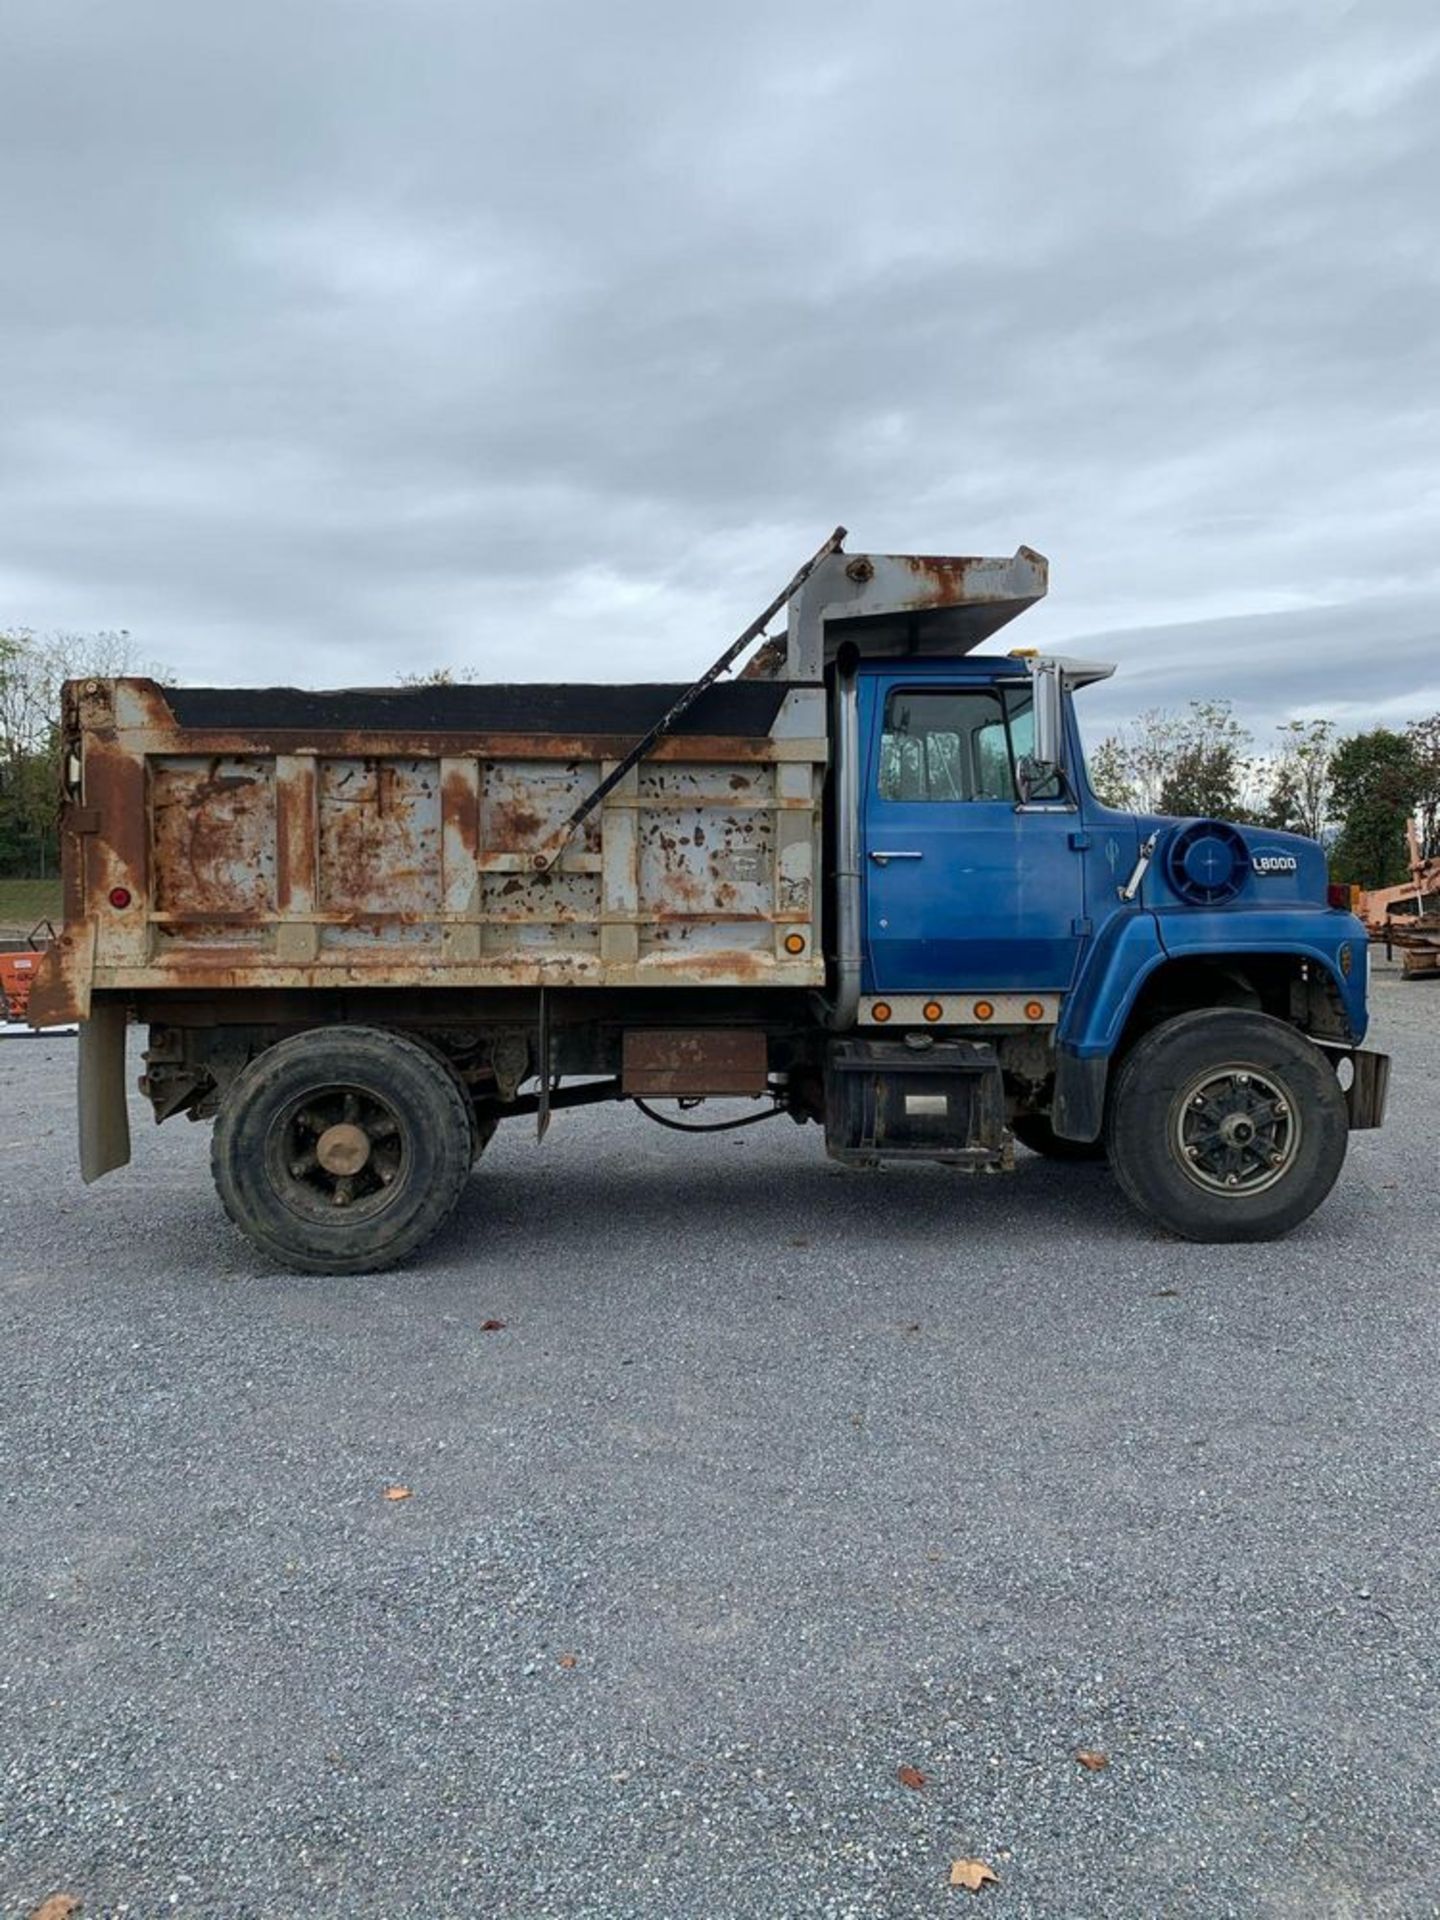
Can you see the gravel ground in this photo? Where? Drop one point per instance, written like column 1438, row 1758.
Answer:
column 775, row 1480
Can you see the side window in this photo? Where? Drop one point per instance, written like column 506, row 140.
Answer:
column 960, row 744
column 1020, row 705
column 993, row 777
column 945, row 746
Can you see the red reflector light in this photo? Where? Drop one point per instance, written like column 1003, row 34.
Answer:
column 1337, row 894
column 119, row 896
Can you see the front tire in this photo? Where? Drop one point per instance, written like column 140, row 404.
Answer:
column 1226, row 1125
column 343, row 1149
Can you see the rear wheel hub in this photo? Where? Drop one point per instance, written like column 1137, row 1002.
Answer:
column 343, row 1148
column 339, row 1147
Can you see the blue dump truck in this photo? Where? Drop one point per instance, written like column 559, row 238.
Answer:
column 863, row 882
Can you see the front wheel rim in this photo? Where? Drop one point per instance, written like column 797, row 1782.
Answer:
column 1235, row 1130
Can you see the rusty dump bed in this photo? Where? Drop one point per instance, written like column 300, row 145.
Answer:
column 256, row 838
column 219, row 839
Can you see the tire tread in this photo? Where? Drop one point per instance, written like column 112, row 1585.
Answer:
column 1150, row 1180
column 441, row 1195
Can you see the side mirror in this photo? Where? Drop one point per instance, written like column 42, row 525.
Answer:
column 1049, row 713
column 1040, row 772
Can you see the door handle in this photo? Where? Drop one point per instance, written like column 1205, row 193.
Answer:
column 881, row 857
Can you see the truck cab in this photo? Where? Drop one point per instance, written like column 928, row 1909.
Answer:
column 1003, row 904
column 976, row 879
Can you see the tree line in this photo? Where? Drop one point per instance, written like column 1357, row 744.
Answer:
column 1355, row 791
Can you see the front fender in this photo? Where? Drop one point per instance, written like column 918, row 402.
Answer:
column 1318, row 934
column 1129, row 948
column 1121, row 957
column 1119, row 960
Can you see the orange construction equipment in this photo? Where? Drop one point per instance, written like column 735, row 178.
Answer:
column 18, row 966
column 1408, row 916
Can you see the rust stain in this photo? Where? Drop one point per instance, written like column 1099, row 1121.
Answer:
column 672, row 916
column 150, row 698
column 379, row 838
column 296, row 850
column 735, row 966
column 60, row 993
column 714, row 1060
column 941, row 581
column 72, row 841
column 233, row 968
column 682, row 888
column 212, row 835
column 115, row 791
column 513, row 825
column 460, row 805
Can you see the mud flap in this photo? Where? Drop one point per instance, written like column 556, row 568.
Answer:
column 100, row 1086
column 1370, row 1084
column 1078, row 1112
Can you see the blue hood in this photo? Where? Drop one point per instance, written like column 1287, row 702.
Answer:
column 1216, row 864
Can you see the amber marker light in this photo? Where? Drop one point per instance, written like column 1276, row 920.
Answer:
column 1034, row 1010
column 794, row 943
column 984, row 1010
column 932, row 1010
column 880, row 1011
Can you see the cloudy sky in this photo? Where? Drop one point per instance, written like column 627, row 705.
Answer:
column 341, row 338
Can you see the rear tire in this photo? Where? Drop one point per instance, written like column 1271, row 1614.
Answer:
column 1033, row 1130
column 482, row 1129
column 343, row 1149
column 1226, row 1126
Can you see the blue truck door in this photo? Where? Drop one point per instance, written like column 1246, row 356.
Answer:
column 963, row 890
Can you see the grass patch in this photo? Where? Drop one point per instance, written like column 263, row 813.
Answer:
column 23, row 902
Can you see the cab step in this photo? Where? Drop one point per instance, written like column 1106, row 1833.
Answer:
column 916, row 1097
